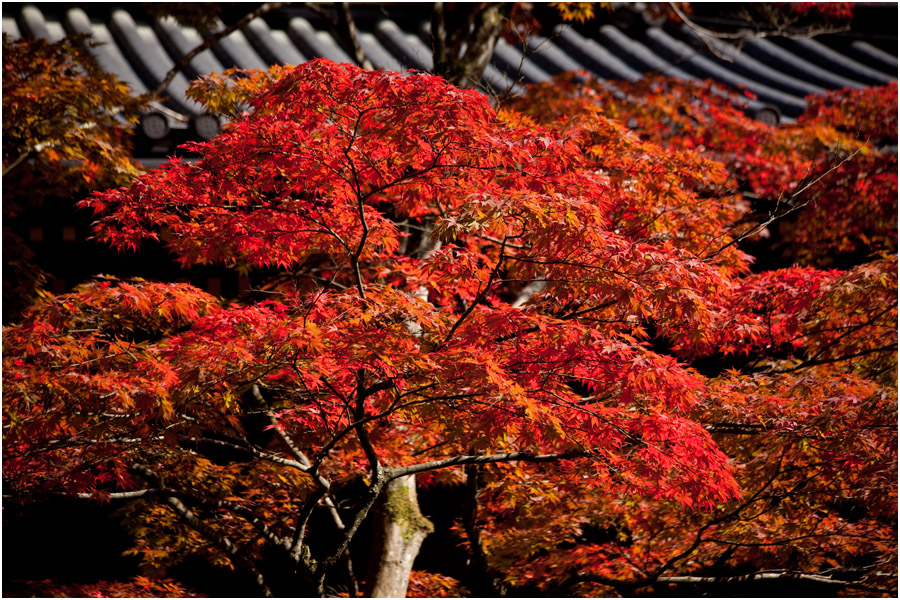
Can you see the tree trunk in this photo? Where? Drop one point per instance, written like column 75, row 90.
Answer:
column 463, row 39
column 399, row 528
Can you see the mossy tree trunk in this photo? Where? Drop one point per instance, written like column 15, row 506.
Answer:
column 399, row 528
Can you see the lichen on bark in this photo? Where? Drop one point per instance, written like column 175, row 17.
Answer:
column 399, row 530
column 402, row 506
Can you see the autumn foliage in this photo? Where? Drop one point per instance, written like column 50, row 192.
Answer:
column 66, row 128
column 523, row 301
column 64, row 114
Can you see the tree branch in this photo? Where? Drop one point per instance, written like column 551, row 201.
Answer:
column 220, row 541
column 295, row 450
column 826, row 361
column 378, row 479
column 481, row 460
column 774, row 216
column 372, row 493
column 774, row 575
column 185, row 60
column 361, row 394
column 707, row 35
column 348, row 30
column 320, row 494
column 481, row 296
column 857, row 327
column 251, row 450
column 628, row 586
column 344, row 27
column 7, row 169
column 439, row 38
column 237, row 509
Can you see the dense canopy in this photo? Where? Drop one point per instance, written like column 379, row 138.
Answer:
column 550, row 306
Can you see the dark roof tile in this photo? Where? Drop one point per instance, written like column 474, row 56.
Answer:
column 780, row 74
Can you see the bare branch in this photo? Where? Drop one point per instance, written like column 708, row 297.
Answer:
column 185, row 60
column 708, row 36
column 361, row 394
column 774, row 575
column 252, row 450
column 340, row 547
column 348, row 29
column 17, row 162
column 344, row 27
column 481, row 296
column 120, row 495
column 826, row 361
column 481, row 460
column 233, row 507
column 629, row 586
column 320, row 494
column 295, row 450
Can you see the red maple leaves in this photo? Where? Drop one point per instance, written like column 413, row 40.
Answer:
column 481, row 291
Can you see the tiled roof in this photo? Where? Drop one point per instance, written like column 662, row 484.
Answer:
column 779, row 73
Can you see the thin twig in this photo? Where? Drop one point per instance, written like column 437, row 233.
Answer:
column 185, row 60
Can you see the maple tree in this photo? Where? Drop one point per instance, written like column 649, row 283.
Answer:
column 833, row 157
column 66, row 128
column 66, row 121
column 810, row 418
column 502, row 300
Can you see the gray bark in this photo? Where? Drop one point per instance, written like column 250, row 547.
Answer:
column 463, row 39
column 399, row 530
